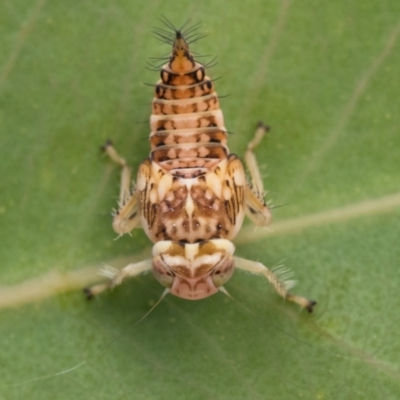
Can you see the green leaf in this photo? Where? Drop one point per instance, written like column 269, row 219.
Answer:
column 325, row 76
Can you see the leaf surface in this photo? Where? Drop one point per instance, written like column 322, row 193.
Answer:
column 325, row 78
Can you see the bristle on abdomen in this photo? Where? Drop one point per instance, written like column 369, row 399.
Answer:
column 188, row 135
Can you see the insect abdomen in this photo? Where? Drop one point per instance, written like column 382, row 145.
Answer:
column 188, row 135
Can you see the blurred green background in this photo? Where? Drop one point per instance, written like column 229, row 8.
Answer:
column 325, row 76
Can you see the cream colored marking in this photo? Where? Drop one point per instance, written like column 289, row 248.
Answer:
column 161, row 247
column 174, row 261
column 217, row 114
column 210, row 259
column 183, row 132
column 224, row 244
column 191, row 251
column 189, row 206
column 141, row 180
column 170, row 71
column 153, row 196
column 227, row 193
column 164, row 186
column 189, row 182
column 190, row 150
column 214, row 183
column 239, row 177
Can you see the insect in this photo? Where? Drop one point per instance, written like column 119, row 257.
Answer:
column 191, row 194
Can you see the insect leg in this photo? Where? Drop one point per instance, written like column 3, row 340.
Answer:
column 280, row 285
column 256, row 208
column 117, row 276
column 127, row 217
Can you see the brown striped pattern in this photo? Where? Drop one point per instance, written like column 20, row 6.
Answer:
column 188, row 135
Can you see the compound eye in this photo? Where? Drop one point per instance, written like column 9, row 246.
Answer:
column 162, row 272
column 223, row 271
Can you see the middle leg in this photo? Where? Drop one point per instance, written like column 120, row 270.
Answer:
column 127, row 216
column 256, row 207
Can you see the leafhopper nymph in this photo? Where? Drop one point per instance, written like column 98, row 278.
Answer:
column 191, row 195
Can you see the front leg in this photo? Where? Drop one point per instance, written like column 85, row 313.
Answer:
column 281, row 285
column 117, row 276
column 127, row 216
